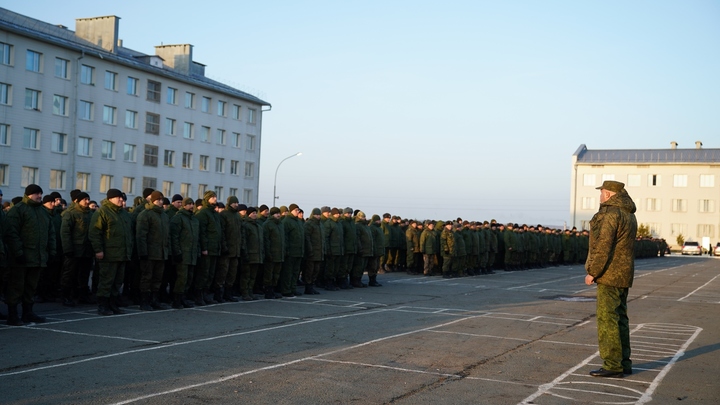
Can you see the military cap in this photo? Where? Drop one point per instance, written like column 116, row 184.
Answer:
column 166, row 201
column 375, row 217
column 347, row 210
column 220, row 205
column 293, row 207
column 16, row 200
column 209, row 194
column 232, row 200
column 48, row 198
column 360, row 215
column 334, row 211
column 325, row 209
column 447, row 223
column 611, row 185
column 250, row 210
column 263, row 208
column 156, row 195
column 177, row 197
column 55, row 194
column 282, row 209
column 198, row 202
column 274, row 210
column 315, row 211
column 147, row 192
column 81, row 196
column 242, row 207
column 113, row 192
column 187, row 201
column 73, row 194
column 386, row 215
column 33, row 189
column 124, row 196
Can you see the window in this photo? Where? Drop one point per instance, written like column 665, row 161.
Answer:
column 185, row 189
column 707, row 206
column 203, row 165
column 84, row 147
column 151, row 155
column 31, row 138
column 653, row 180
column 247, row 196
column 707, row 180
column 85, row 110
column 706, row 230
column 653, row 204
column 219, row 165
column 131, row 119
column 105, row 182
column 654, row 228
column 608, row 177
column 250, row 142
column 188, row 132
column 589, row 180
column 111, row 80
column 57, row 179
column 169, row 158
column 149, row 182
column 132, row 86
column 633, row 180
column 82, row 181
column 6, row 53
column 109, row 115
column 220, row 136
column 588, row 203
column 249, row 170
column 221, row 108
column 29, row 176
column 678, row 229
column 167, row 188
column 233, row 191
column 187, row 161
column 129, row 152
column 59, row 142
column 128, row 185
column 32, row 99
column 170, row 126
column 87, row 74
column 189, row 100
column 202, row 188
column 251, row 115
column 679, row 205
column 33, row 61
column 62, row 68
column 236, row 140
column 108, row 150
column 3, row 175
column 152, row 123
column 205, row 134
column 234, row 168
column 4, row 135
column 205, row 105
column 153, row 91
column 236, row 112
column 171, row 95
column 219, row 193
column 5, row 93
column 60, row 104
column 680, row 180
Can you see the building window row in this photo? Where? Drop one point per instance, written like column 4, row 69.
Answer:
column 653, row 180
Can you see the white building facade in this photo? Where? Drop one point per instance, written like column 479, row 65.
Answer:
column 78, row 110
column 676, row 191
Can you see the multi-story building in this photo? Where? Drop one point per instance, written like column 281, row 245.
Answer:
column 79, row 110
column 676, row 191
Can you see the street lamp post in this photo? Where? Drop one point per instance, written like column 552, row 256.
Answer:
column 275, row 197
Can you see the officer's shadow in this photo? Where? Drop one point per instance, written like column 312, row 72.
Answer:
column 660, row 363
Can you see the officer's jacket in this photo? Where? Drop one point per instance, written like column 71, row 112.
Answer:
column 294, row 236
column 185, row 236
column 274, row 239
column 378, row 240
column 364, row 237
column 211, row 233
column 254, row 241
column 334, row 234
column 152, row 233
column 74, row 231
column 314, row 240
column 232, row 224
column 111, row 232
column 428, row 242
column 349, row 235
column 30, row 233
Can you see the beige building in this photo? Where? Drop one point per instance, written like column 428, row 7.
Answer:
column 676, row 191
column 79, row 110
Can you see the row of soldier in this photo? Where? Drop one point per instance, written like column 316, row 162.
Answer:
column 190, row 253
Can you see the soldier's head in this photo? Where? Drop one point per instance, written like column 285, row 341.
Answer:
column 176, row 201
column 347, row 212
column 146, row 193
column 188, row 204
column 294, row 210
column 325, row 211
column 156, row 198
column 48, row 202
column 252, row 213
column 335, row 213
column 115, row 197
column 34, row 192
column 82, row 199
column 275, row 212
column 315, row 213
column 210, row 197
column 430, row 225
column 386, row 217
column 242, row 209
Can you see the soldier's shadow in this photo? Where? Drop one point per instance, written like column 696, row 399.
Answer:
column 660, row 363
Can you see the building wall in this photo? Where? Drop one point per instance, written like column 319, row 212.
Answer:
column 15, row 156
column 656, row 207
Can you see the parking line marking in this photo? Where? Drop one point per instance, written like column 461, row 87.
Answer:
column 699, row 288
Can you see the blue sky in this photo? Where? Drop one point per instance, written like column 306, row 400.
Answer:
column 439, row 110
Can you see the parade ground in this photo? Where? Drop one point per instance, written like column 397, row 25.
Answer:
column 523, row 337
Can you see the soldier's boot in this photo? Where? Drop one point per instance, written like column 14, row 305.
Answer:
column 228, row 296
column 218, row 295
column 29, row 316
column 343, row 284
column 209, row 298
column 112, row 304
column 373, row 282
column 309, row 290
column 177, row 301
column 3, row 317
column 330, row 285
column 246, row 296
column 145, row 302
column 186, row 303
column 357, row 283
column 199, row 301
column 103, row 308
column 85, row 296
column 155, row 302
column 269, row 293
column 13, row 319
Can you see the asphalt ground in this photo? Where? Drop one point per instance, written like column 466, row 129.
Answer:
column 525, row 337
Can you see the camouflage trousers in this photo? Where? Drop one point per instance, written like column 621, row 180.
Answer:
column 613, row 327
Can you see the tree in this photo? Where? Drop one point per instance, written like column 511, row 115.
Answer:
column 680, row 239
column 643, row 231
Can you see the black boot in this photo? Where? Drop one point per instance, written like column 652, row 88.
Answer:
column 112, row 304
column 155, row 302
column 218, row 296
column 330, row 285
column 208, row 298
column 227, row 295
column 186, row 303
column 30, row 316
column 177, row 301
column 269, row 293
column 13, row 319
column 357, row 283
column 103, row 308
column 309, row 290
column 145, row 302
column 199, row 301
column 373, row 282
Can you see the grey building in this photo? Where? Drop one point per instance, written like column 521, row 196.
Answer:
column 676, row 191
column 79, row 110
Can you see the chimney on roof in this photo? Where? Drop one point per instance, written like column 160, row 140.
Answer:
column 698, row 145
column 178, row 57
column 101, row 31
column 673, row 145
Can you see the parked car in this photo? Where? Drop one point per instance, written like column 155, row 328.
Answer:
column 716, row 250
column 692, row 248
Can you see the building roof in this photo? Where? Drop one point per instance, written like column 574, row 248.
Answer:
column 63, row 37
column 647, row 156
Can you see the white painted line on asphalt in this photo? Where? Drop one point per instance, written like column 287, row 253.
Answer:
column 92, row 335
column 699, row 288
column 246, row 314
column 547, row 282
column 509, row 338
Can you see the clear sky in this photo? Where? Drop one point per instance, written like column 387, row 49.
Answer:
column 440, row 110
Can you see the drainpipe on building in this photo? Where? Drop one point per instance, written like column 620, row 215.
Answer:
column 72, row 139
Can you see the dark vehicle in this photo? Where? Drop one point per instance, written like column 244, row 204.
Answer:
column 691, row 248
column 716, row 250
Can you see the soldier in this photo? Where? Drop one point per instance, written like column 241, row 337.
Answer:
column 412, row 248
column 314, row 250
column 77, row 250
column 511, row 248
column 30, row 239
column 334, row 254
column 428, row 247
column 111, row 237
column 185, row 245
column 175, row 205
column 349, row 249
column 363, row 235
column 460, row 258
column 378, row 251
column 152, row 237
column 390, row 248
column 611, row 265
column 274, row 240
column 227, row 266
column 212, row 245
column 295, row 250
column 447, row 249
column 253, row 256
